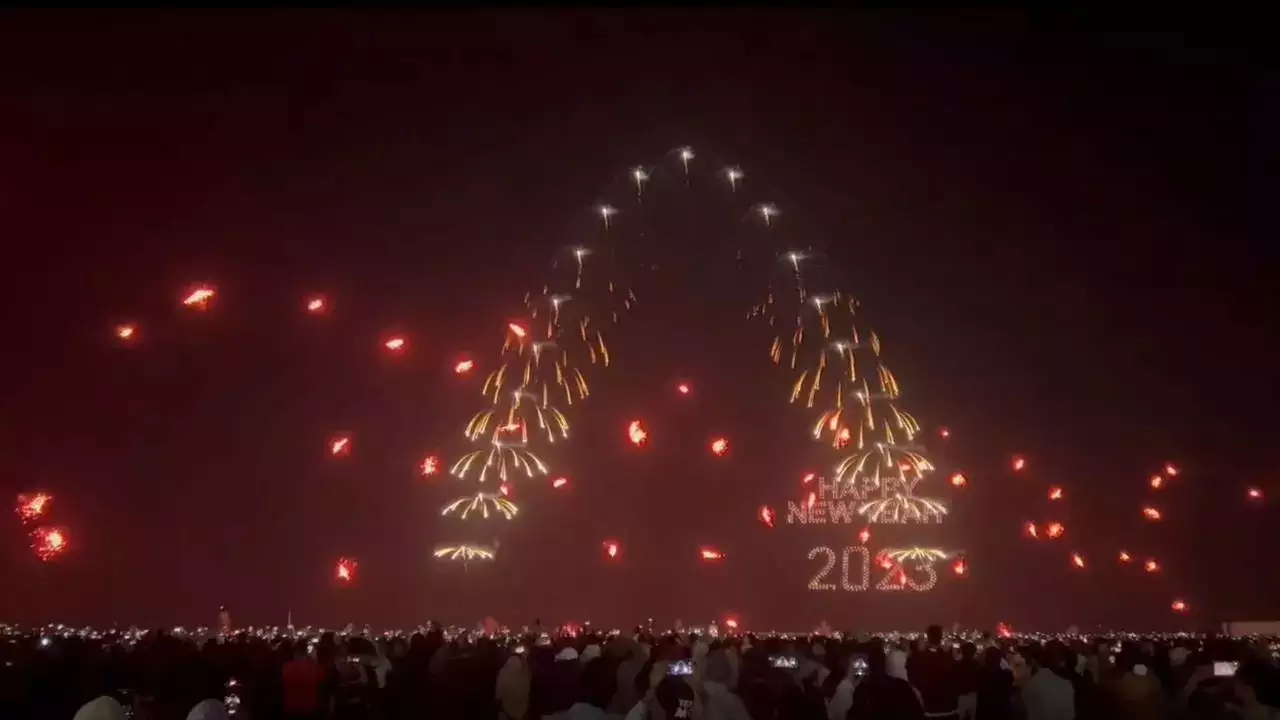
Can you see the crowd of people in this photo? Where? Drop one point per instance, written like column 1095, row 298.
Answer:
column 640, row 676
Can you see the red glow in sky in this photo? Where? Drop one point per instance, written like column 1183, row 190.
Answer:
column 636, row 433
column 340, row 446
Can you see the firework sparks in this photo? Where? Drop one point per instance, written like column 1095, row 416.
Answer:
column 559, row 482
column 1018, row 463
column 517, row 330
column 719, row 447
column 636, row 433
column 960, row 567
column 686, row 154
column 1151, row 566
column 199, row 297
column 959, row 480
column 864, row 535
column 1170, row 469
column 611, row 549
column 767, row 516
column 944, row 433
column 49, row 542
column 463, row 553
column 808, row 478
column 1156, row 482
column 810, row 500
column 32, row 506
column 1151, row 514
column 126, row 332
column 684, row 388
column 901, row 508
column 710, row 554
column 316, row 305
column 1077, row 559
column 430, row 466
column 481, row 504
column 1055, row 530
column 1125, row 557
column 731, row 623
column 344, row 571
column 462, row 367
column 918, row 554
column 1032, row 532
column 395, row 343
column 1055, row 493
column 340, row 446
column 640, row 176
column 606, row 212
column 734, row 174
column 503, row 457
column 1179, row 606
column 768, row 211
column 1254, row 493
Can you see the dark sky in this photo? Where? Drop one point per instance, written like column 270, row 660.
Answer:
column 1058, row 229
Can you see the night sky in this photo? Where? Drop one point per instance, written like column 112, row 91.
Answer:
column 1058, row 231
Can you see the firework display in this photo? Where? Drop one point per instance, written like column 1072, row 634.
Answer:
column 556, row 342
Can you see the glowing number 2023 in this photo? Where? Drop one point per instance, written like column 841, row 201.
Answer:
column 894, row 579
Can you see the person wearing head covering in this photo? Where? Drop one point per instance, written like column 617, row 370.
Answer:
column 209, row 710
column 1047, row 695
column 881, row 695
column 512, row 689
column 721, row 702
column 103, row 707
